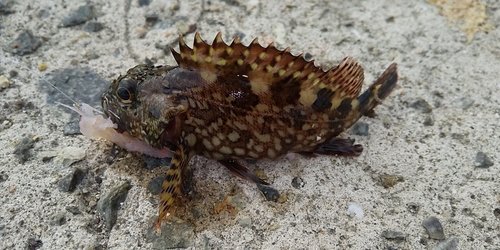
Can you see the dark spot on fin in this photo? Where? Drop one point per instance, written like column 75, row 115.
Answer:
column 323, row 100
column 379, row 90
column 340, row 147
column 344, row 108
column 242, row 172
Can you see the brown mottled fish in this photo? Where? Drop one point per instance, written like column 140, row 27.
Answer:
column 236, row 102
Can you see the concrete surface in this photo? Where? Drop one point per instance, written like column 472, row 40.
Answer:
column 424, row 138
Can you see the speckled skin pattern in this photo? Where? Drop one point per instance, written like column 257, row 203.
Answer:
column 232, row 102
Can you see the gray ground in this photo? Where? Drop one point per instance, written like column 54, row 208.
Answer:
column 419, row 160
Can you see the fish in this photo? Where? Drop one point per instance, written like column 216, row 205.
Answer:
column 234, row 102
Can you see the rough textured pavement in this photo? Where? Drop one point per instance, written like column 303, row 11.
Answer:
column 428, row 177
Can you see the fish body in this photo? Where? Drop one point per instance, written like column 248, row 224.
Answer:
column 235, row 102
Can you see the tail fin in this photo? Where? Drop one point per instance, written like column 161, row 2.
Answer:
column 379, row 90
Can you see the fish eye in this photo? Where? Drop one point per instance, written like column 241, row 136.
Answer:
column 125, row 90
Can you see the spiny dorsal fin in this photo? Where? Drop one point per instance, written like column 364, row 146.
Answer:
column 266, row 66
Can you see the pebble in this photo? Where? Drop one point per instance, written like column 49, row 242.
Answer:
column 73, row 210
column 482, row 160
column 245, row 222
column 59, row 219
column 393, row 235
column 429, row 120
column 496, row 212
column 269, row 192
column 421, row 105
column 354, row 209
column 6, row 7
column 93, row 26
column 434, row 228
column 4, row 82
column 42, row 66
column 154, row 186
column 69, row 155
column 449, row 244
column 465, row 103
column 144, row 2
column 79, row 16
column 25, row 43
column 298, row 183
column 22, row 151
column 69, row 182
column 109, row 204
column 413, row 207
column 360, row 128
column 389, row 180
column 172, row 235
column 34, row 244
column 152, row 162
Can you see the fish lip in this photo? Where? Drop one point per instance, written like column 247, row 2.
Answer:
column 111, row 114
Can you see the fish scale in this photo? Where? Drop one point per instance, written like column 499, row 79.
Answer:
column 234, row 102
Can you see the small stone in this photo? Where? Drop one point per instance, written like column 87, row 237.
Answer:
column 59, row 219
column 172, row 235
column 13, row 73
column 93, row 27
column 354, row 209
column 197, row 213
column 482, row 160
column 3, row 176
column 274, row 227
column 34, row 244
column 449, row 244
column 144, row 2
column 282, row 199
column 79, row 16
column 245, row 222
column 154, row 186
column 42, row 66
column 152, row 162
column 261, row 174
column 360, row 128
column 151, row 18
column 413, row 208
column 109, row 204
column 22, row 151
column 270, row 193
column 4, row 82
column 465, row 103
column 69, row 182
column 308, row 56
column 73, row 210
column 496, row 212
column 69, row 155
column 422, row 105
column 6, row 7
column 298, row 183
column 429, row 121
column 386, row 120
column 389, row 180
column 25, row 43
column 393, row 235
column 434, row 228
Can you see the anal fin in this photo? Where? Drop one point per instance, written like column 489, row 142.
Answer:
column 338, row 147
column 241, row 171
